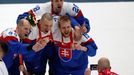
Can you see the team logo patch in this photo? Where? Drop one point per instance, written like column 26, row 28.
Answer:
column 65, row 54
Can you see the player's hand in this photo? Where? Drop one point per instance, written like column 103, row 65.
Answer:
column 74, row 46
column 40, row 44
column 87, row 71
column 22, row 68
column 44, row 41
column 83, row 29
column 77, row 34
column 79, row 47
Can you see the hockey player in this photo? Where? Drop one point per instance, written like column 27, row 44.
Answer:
column 70, row 56
column 43, row 30
column 14, row 37
column 37, row 64
column 59, row 7
column 3, row 51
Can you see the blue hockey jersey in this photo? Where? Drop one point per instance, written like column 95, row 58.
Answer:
column 66, row 61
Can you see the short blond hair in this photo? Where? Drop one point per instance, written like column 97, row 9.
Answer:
column 47, row 16
column 64, row 18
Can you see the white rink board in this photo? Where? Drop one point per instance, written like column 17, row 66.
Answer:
column 112, row 27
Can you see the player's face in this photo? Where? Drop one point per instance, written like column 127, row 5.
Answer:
column 65, row 28
column 57, row 5
column 45, row 25
column 24, row 30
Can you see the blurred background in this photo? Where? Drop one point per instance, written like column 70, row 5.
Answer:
column 112, row 28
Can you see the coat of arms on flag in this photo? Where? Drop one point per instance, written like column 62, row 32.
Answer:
column 65, row 54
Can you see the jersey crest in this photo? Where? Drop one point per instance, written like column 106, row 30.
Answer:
column 65, row 54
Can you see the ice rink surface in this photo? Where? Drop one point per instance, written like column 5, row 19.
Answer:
column 112, row 27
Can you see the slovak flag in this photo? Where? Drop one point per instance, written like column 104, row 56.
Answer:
column 65, row 54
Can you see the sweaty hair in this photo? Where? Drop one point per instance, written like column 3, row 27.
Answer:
column 62, row 19
column 47, row 16
column 4, row 46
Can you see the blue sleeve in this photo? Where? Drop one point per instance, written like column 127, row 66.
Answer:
column 81, row 20
column 23, row 49
column 73, row 20
column 91, row 49
column 19, row 48
column 28, row 55
column 14, row 46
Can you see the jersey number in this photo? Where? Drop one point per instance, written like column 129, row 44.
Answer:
column 75, row 8
column 36, row 8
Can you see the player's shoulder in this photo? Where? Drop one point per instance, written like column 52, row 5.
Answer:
column 70, row 5
column 42, row 7
column 9, row 32
column 45, row 5
column 70, row 8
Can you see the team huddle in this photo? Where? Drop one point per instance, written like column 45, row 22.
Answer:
column 55, row 33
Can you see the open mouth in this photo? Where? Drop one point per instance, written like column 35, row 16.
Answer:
column 46, row 31
column 66, row 33
column 26, row 35
column 59, row 7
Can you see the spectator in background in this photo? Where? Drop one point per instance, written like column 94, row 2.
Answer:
column 103, row 67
